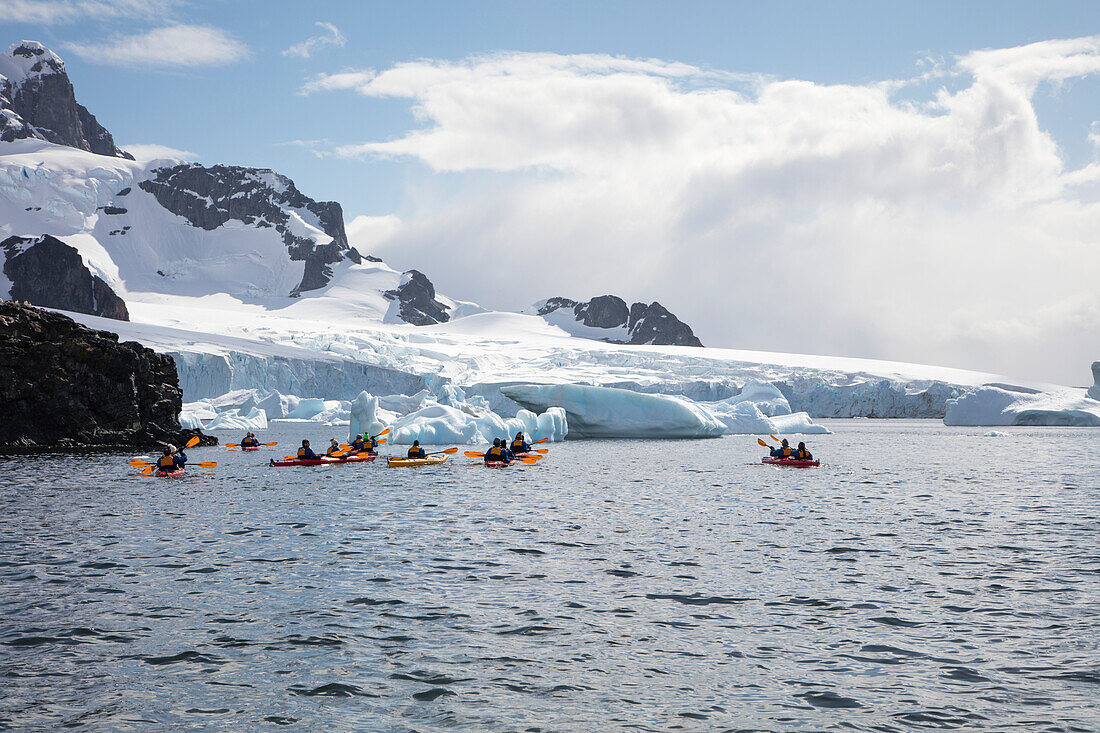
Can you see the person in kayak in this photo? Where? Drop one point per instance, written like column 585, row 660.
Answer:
column 416, row 451
column 802, row 454
column 249, row 441
column 519, row 445
column 358, row 445
column 371, row 443
column 783, row 451
column 498, row 453
column 334, row 449
column 172, row 460
column 306, row 452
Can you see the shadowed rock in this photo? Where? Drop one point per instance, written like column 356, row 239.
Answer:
column 46, row 272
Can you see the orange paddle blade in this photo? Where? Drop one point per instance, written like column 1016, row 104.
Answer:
column 473, row 454
column 450, row 451
column 192, row 443
column 384, row 432
column 530, row 461
column 147, row 471
column 762, row 443
column 138, row 464
column 271, row 444
column 232, row 445
column 289, row 458
column 383, row 440
column 542, row 441
column 543, row 451
column 773, row 437
column 207, row 464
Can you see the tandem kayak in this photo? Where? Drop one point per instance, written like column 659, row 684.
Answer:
column 323, row 460
column 168, row 474
column 790, row 462
column 396, row 462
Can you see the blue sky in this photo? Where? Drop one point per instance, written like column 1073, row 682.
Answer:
column 912, row 181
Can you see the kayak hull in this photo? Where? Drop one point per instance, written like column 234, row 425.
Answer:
column 789, row 462
column 169, row 474
column 325, row 460
column 397, row 462
column 497, row 464
column 250, row 447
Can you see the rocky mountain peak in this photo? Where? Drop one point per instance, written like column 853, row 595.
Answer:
column 415, row 300
column 639, row 323
column 37, row 100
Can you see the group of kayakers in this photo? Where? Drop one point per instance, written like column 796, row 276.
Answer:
column 786, row 451
column 501, row 452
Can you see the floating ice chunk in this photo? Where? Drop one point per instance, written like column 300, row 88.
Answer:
column 1094, row 390
column 605, row 412
column 242, row 400
column 442, row 424
column 306, row 409
column 798, row 423
column 997, row 406
column 364, row 416
column 200, row 410
column 277, row 405
column 190, row 421
column 255, row 419
column 746, row 418
column 996, row 434
column 765, row 395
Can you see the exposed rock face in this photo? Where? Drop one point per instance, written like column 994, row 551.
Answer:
column 37, row 100
column 65, row 385
column 644, row 324
column 46, row 272
column 210, row 196
column 416, row 299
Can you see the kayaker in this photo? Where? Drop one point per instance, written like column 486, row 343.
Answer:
column 358, row 445
column 498, row 453
column 371, row 443
column 306, row 452
column 783, row 451
column 416, row 451
column 802, row 454
column 172, row 460
column 519, row 445
column 249, row 441
column 334, row 449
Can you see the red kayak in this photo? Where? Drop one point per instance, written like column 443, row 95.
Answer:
column 789, row 462
column 250, row 447
column 325, row 459
column 497, row 464
column 168, row 474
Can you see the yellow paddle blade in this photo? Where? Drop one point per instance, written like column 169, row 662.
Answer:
column 232, row 445
column 138, row 464
column 473, row 454
column 192, row 443
column 271, row 444
column 147, row 471
column 207, row 464
column 762, row 443
column 450, row 451
column 541, row 441
column 773, row 437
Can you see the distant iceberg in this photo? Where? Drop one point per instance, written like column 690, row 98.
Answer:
column 996, row 405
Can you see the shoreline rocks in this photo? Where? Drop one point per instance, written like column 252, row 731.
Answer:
column 64, row 386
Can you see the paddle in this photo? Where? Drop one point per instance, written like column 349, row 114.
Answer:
column 193, row 442
column 762, row 443
column 773, row 437
column 205, row 464
column 473, row 454
column 449, row 451
column 541, row 441
column 238, row 445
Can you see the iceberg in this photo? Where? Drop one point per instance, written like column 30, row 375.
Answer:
column 747, row 418
column 256, row 419
column 996, row 405
column 606, row 412
column 1094, row 390
column 364, row 416
column 438, row 424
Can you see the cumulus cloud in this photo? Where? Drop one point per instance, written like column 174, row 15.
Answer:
column 172, row 46
column 50, row 12
column 768, row 213
column 331, row 37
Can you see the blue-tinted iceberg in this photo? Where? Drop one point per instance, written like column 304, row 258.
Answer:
column 255, row 419
column 438, row 424
column 605, row 412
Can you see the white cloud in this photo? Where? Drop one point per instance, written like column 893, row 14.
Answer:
column 777, row 214
column 50, row 12
column 305, row 49
column 366, row 233
column 172, row 46
column 144, row 152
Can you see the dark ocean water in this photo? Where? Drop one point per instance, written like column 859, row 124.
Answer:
column 926, row 578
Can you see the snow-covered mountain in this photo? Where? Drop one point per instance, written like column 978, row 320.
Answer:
column 252, row 285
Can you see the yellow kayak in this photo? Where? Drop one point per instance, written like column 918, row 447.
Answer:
column 429, row 461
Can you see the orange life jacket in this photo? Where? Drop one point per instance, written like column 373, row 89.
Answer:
column 302, row 452
column 494, row 454
column 166, row 463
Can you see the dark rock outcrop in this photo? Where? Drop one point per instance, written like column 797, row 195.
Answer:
column 209, row 196
column 416, row 300
column 37, row 100
column 63, row 385
column 645, row 324
column 46, row 272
